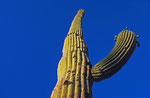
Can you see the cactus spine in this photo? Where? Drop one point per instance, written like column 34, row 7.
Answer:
column 75, row 73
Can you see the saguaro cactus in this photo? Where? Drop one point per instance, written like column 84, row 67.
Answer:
column 75, row 72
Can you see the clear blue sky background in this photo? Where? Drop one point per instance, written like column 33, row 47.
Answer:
column 31, row 40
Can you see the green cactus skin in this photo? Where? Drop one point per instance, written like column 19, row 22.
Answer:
column 74, row 67
column 75, row 73
column 123, row 49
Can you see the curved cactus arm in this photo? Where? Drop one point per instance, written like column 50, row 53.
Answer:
column 123, row 49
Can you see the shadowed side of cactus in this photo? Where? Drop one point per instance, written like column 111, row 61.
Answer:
column 75, row 73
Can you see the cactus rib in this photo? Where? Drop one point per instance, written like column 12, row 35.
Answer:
column 73, row 70
column 75, row 74
column 124, row 47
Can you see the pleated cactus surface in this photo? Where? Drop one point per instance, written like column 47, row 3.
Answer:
column 75, row 74
column 74, row 68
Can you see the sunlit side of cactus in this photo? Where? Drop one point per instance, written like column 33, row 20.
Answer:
column 75, row 73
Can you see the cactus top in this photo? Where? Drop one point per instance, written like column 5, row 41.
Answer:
column 76, row 26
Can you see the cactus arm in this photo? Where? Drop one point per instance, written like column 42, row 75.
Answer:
column 123, row 49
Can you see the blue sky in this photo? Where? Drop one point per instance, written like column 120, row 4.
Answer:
column 31, row 40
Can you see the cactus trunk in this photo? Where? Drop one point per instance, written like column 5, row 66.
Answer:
column 75, row 73
column 74, row 68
